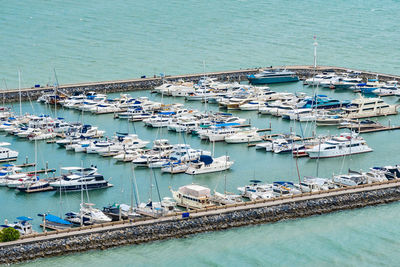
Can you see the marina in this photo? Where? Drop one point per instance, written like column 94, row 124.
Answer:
column 192, row 146
column 225, row 133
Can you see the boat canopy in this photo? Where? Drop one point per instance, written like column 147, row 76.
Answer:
column 7, row 165
column 227, row 124
column 24, row 218
column 195, row 190
column 55, row 219
column 206, row 159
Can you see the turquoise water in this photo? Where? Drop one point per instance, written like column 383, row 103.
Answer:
column 104, row 40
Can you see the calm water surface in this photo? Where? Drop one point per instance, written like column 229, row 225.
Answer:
column 104, row 40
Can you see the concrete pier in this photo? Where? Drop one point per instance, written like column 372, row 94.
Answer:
column 304, row 72
column 212, row 219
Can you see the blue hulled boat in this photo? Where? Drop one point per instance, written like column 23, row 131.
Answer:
column 324, row 102
column 273, row 76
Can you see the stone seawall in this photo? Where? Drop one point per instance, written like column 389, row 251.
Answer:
column 304, row 72
column 175, row 227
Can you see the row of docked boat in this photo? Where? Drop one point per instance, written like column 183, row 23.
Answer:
column 320, row 108
column 343, row 144
column 325, row 111
column 97, row 103
column 195, row 196
column 43, row 127
column 71, row 179
column 352, row 81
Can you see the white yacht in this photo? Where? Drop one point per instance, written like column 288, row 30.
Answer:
column 243, row 137
column 23, row 226
column 78, row 178
column 87, row 215
column 345, row 144
column 7, row 154
column 193, row 196
column 207, row 164
column 368, row 107
column 256, row 190
column 317, row 79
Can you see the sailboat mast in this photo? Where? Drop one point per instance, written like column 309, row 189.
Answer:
column 55, row 94
column 20, row 96
column 4, row 94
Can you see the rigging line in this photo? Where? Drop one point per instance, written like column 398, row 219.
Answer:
column 158, row 190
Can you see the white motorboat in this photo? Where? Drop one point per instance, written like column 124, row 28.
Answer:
column 193, row 196
column 7, row 154
column 207, row 164
column 243, row 137
column 97, row 146
column 256, row 190
column 174, row 167
column 345, row 144
column 87, row 215
column 128, row 155
column 368, row 107
column 78, row 178
column 23, row 225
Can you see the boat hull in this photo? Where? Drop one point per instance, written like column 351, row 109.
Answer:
column 268, row 80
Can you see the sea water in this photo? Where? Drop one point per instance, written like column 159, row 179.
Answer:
column 104, row 40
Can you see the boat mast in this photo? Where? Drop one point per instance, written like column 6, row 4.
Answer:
column 4, row 94
column 19, row 88
column 55, row 94
column 315, row 90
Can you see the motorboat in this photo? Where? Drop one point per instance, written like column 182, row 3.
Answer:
column 336, row 146
column 352, row 179
column 273, row 76
column 193, row 197
column 174, row 167
column 317, row 79
column 368, row 107
column 243, row 137
column 207, row 164
column 255, row 190
column 36, row 185
column 78, row 178
column 87, row 215
column 23, row 225
column 6, row 154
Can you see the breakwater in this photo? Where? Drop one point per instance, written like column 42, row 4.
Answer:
column 304, row 72
column 211, row 219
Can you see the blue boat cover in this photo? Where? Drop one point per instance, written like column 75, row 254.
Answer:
column 167, row 113
column 23, row 218
column 206, row 159
column 55, row 219
column 283, row 183
column 227, row 124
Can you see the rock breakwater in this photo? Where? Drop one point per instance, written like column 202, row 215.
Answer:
column 175, row 227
